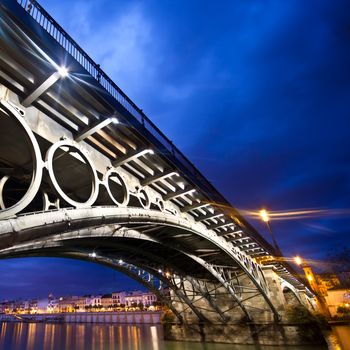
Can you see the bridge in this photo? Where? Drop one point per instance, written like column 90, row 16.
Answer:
column 85, row 174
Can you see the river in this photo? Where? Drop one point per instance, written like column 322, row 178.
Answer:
column 51, row 336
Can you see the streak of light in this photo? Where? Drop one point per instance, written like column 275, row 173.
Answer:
column 290, row 214
column 294, row 214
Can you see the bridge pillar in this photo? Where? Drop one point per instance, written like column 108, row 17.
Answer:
column 308, row 302
column 275, row 289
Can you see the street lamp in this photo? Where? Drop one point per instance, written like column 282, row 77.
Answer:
column 309, row 274
column 313, row 283
column 298, row 260
column 265, row 217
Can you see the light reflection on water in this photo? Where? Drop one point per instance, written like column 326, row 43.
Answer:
column 47, row 336
column 340, row 338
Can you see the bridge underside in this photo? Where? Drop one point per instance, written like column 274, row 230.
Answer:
column 84, row 174
column 153, row 244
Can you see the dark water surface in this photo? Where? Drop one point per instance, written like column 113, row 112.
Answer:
column 48, row 336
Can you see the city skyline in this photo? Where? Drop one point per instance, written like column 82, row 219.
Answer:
column 260, row 110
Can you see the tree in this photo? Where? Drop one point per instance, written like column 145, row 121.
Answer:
column 343, row 309
column 340, row 264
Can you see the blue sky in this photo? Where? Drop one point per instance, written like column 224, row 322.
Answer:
column 255, row 93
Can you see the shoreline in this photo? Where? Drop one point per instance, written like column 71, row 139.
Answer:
column 111, row 317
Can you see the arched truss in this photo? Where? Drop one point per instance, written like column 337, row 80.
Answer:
column 152, row 279
column 84, row 215
column 227, row 276
column 287, row 286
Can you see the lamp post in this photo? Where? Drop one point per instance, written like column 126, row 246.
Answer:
column 265, row 217
column 312, row 280
column 309, row 274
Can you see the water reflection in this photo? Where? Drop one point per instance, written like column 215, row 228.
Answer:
column 46, row 336
column 343, row 335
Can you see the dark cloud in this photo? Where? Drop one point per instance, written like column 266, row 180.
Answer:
column 255, row 93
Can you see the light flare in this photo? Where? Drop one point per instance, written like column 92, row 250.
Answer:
column 298, row 260
column 295, row 214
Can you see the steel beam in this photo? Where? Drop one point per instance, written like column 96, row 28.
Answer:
column 180, row 193
column 225, row 224
column 199, row 205
column 247, row 249
column 232, row 239
column 131, row 156
column 93, row 129
column 41, row 89
column 237, row 242
column 158, row 177
column 231, row 233
column 208, row 217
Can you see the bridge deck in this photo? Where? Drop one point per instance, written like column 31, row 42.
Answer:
column 33, row 46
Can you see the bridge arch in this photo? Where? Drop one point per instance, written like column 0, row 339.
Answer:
column 136, row 273
column 112, row 223
column 56, row 246
column 290, row 294
column 228, row 260
column 148, row 276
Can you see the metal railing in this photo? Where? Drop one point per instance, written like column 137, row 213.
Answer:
column 39, row 14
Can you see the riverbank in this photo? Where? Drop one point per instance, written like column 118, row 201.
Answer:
column 123, row 317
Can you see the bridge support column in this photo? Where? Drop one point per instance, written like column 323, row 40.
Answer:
column 309, row 303
column 275, row 289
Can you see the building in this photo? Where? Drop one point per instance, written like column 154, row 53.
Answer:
column 96, row 301
column 338, row 297
column 43, row 305
column 118, row 298
column 113, row 301
column 53, row 306
column 139, row 298
column 107, row 301
column 327, row 281
column 68, row 304
column 33, row 306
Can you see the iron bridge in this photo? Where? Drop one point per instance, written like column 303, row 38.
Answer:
column 85, row 174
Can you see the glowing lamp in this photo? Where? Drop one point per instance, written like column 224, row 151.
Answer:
column 298, row 260
column 264, row 215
